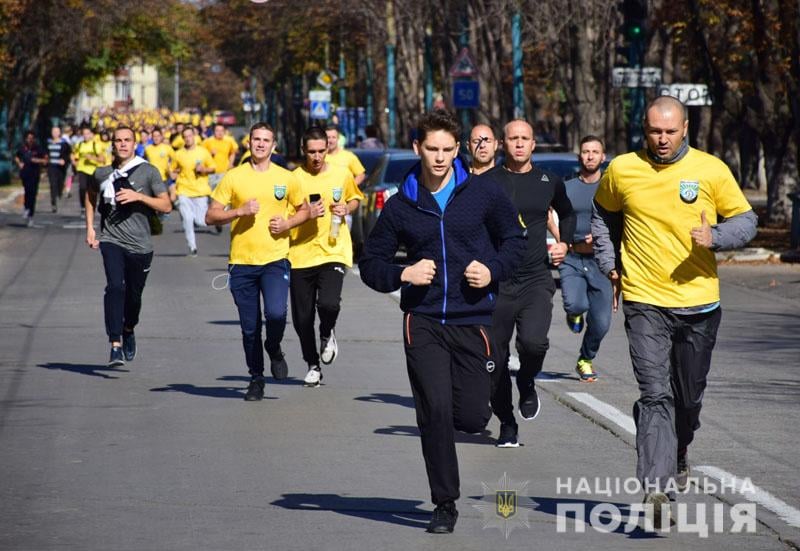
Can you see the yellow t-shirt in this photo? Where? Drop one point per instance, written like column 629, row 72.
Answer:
column 84, row 148
column 221, row 151
column 310, row 243
column 189, row 183
column 278, row 192
column 346, row 159
column 161, row 156
column 176, row 141
column 660, row 204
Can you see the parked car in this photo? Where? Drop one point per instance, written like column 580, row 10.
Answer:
column 225, row 117
column 382, row 182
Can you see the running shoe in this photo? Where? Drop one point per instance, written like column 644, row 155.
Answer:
column 193, row 253
column 116, row 358
column 508, row 436
column 313, row 377
column 585, row 371
column 278, row 366
column 444, row 519
column 129, row 346
column 328, row 349
column 682, row 476
column 658, row 510
column 255, row 390
column 575, row 323
column 529, row 406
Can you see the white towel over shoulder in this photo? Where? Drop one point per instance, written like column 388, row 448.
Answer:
column 107, row 185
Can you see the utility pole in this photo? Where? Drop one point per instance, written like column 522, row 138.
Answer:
column 516, row 48
column 176, row 94
column 390, row 73
column 428, row 68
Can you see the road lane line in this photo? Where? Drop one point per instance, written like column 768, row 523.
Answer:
column 606, row 410
column 785, row 512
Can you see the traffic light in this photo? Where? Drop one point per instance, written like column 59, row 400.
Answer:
column 634, row 18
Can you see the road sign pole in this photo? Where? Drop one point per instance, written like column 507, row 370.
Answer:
column 519, row 86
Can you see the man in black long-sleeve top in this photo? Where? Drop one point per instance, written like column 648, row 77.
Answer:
column 526, row 299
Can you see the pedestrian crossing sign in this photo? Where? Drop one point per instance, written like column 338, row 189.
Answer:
column 320, row 109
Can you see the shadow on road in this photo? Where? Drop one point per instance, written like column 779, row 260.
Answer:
column 208, row 391
column 556, row 376
column 383, row 398
column 270, row 380
column 380, row 509
column 482, row 437
column 604, row 520
column 223, row 322
column 85, row 369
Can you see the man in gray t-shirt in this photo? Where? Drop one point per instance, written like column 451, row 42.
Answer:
column 128, row 192
column 585, row 290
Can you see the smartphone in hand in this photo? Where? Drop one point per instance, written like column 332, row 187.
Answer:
column 314, row 197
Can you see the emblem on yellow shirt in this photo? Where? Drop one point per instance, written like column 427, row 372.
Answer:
column 280, row 191
column 337, row 194
column 689, row 190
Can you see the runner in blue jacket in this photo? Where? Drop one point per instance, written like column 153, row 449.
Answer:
column 462, row 238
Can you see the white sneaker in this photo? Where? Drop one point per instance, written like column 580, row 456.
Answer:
column 30, row 221
column 314, row 376
column 328, row 349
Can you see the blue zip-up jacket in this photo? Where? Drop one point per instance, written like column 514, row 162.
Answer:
column 479, row 223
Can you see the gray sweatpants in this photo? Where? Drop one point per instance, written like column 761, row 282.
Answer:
column 671, row 356
column 193, row 213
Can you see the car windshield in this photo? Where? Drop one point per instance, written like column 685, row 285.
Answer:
column 397, row 169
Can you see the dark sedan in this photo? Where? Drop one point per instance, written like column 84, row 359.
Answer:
column 382, row 182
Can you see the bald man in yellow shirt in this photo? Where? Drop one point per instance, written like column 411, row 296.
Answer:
column 660, row 208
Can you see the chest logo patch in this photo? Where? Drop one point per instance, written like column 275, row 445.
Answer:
column 337, row 194
column 689, row 190
column 280, row 191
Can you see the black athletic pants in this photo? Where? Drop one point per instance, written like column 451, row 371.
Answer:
column 315, row 290
column 449, row 370
column 126, row 274
column 56, row 175
column 529, row 307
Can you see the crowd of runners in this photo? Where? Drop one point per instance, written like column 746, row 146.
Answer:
column 478, row 267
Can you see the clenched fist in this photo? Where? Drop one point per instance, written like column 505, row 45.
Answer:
column 420, row 273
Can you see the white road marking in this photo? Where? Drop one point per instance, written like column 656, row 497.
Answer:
column 753, row 493
column 606, row 410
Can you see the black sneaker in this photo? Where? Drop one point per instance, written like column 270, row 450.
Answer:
column 255, row 390
column 530, row 405
column 218, row 228
column 278, row 366
column 129, row 346
column 682, row 476
column 444, row 519
column 116, row 358
column 508, row 436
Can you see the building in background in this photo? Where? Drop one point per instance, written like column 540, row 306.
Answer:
column 133, row 87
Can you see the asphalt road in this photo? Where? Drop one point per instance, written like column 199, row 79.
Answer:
column 165, row 454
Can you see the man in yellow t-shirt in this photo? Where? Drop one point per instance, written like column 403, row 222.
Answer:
column 264, row 202
column 320, row 252
column 160, row 154
column 87, row 156
column 192, row 166
column 223, row 150
column 660, row 206
column 339, row 156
